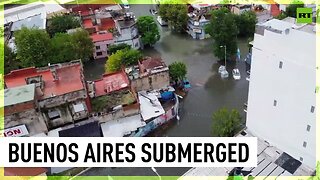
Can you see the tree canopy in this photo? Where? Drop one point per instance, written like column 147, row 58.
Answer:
column 10, row 62
column 226, row 123
column 60, row 23
column 124, row 57
column 148, row 30
column 177, row 71
column 291, row 10
column 82, row 44
column 246, row 23
column 115, row 47
column 223, row 29
column 63, row 47
column 33, row 47
column 175, row 14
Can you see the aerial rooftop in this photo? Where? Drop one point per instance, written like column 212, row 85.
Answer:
column 111, row 82
column 37, row 21
column 150, row 106
column 20, row 94
column 271, row 162
column 57, row 79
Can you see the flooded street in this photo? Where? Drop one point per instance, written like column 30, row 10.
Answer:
column 209, row 92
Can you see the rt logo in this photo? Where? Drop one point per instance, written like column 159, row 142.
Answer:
column 304, row 15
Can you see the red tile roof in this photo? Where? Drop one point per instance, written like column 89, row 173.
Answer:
column 106, row 24
column 69, row 79
column 87, row 23
column 151, row 63
column 24, row 171
column 101, row 37
column 111, row 82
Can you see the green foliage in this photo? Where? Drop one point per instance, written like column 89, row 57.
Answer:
column 246, row 23
column 99, row 104
column 124, row 57
column 148, row 30
column 281, row 16
column 60, row 23
column 175, row 14
column 33, row 47
column 177, row 71
column 223, row 29
column 115, row 47
column 82, row 44
column 131, row 57
column 226, row 123
column 10, row 62
column 114, row 62
column 291, row 10
column 62, row 48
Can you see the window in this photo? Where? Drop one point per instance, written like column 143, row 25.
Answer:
column 280, row 65
column 308, row 127
column 97, row 47
column 304, row 144
column 99, row 53
column 274, row 102
column 53, row 114
column 312, row 109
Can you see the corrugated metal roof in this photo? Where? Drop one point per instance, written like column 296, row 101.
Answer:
column 19, row 94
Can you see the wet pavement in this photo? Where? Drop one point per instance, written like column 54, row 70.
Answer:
column 209, row 92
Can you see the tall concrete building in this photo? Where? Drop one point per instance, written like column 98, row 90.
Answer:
column 282, row 97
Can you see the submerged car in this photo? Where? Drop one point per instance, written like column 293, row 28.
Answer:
column 221, row 68
column 161, row 22
column 224, row 74
column 236, row 74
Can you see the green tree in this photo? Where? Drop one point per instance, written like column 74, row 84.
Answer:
column 10, row 61
column 60, row 23
column 175, row 14
column 124, row 57
column 114, row 62
column 63, row 46
column 291, row 10
column 148, row 30
column 82, row 44
column 223, row 29
column 177, row 71
column 226, row 123
column 131, row 57
column 115, row 47
column 33, row 47
column 281, row 16
column 246, row 23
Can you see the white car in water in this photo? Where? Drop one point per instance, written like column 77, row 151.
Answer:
column 236, row 74
column 161, row 22
column 221, row 69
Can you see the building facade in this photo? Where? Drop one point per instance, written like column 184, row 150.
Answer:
column 282, row 97
column 151, row 73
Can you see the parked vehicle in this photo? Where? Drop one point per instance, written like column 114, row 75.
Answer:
column 222, row 68
column 161, row 22
column 236, row 74
column 224, row 74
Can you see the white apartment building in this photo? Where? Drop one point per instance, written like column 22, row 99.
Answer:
column 282, row 97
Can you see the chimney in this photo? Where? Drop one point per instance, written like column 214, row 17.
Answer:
column 54, row 73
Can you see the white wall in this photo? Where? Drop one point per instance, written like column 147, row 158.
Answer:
column 293, row 87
